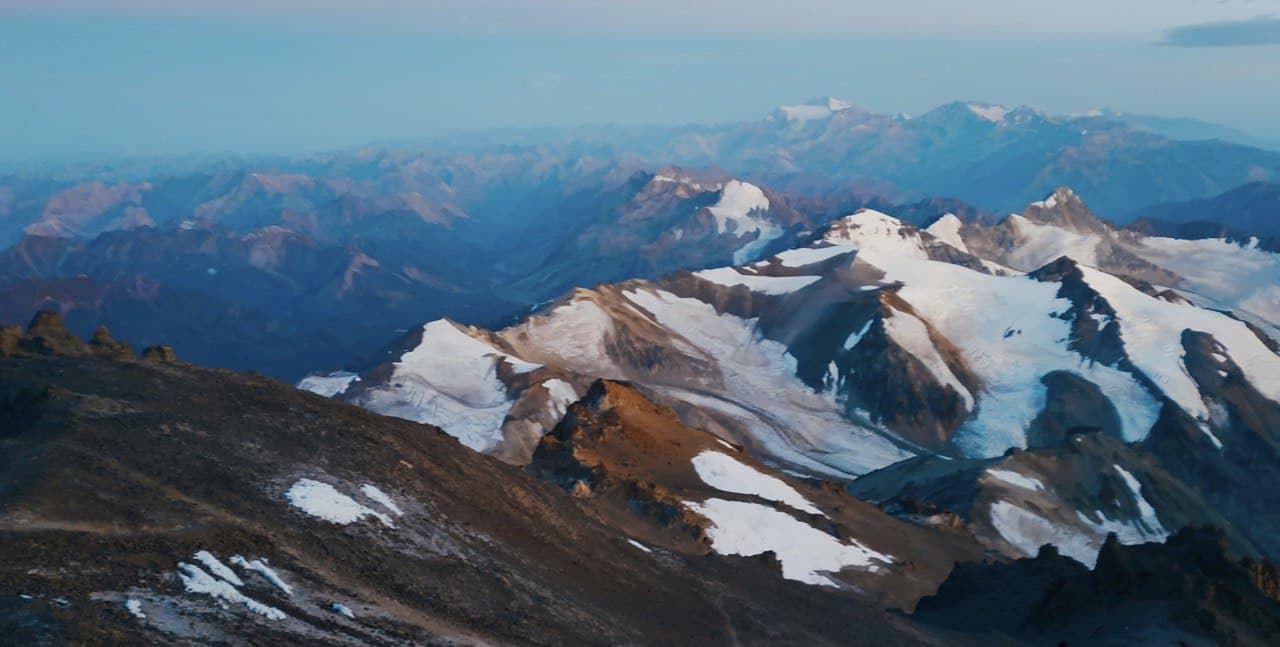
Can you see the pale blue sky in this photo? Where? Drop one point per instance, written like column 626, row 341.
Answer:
column 146, row 76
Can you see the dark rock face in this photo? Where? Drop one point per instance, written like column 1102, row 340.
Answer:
column 1186, row 589
column 1237, row 478
column 1072, row 405
column 10, row 338
column 897, row 388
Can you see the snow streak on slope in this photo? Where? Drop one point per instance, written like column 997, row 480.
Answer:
column 1147, row 514
column 449, row 380
column 1006, row 329
column 739, row 205
column 758, row 378
column 1151, row 330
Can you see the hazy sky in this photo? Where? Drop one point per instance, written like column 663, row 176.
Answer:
column 152, row 76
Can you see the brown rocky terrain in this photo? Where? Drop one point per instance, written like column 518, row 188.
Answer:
column 156, row 502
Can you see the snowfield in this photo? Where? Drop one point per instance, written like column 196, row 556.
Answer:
column 1008, row 333
column 791, row 421
column 1152, row 333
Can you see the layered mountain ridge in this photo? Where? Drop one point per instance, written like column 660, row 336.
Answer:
column 906, row 362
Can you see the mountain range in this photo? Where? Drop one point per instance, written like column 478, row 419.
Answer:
column 981, row 376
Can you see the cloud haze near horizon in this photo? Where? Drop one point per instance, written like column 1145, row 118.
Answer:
column 144, row 76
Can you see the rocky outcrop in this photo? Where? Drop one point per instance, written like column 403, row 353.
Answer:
column 1185, row 591
column 48, row 335
column 159, row 353
column 103, row 345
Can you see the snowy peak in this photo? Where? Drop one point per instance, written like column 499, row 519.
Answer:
column 866, row 223
column 947, row 229
column 1063, row 208
column 881, row 238
column 740, row 210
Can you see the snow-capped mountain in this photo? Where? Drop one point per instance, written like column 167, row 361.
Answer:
column 919, row 356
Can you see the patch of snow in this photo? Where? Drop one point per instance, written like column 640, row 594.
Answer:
column 806, row 553
column 772, row 285
column 740, row 205
column 260, row 567
column 217, row 567
column 560, row 395
column 1047, row 203
column 328, row 385
column 804, row 256
column 1017, row 480
column 726, row 444
column 639, row 545
column 344, row 610
column 381, row 498
column 728, row 474
column 135, row 608
column 196, row 580
column 321, row 500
